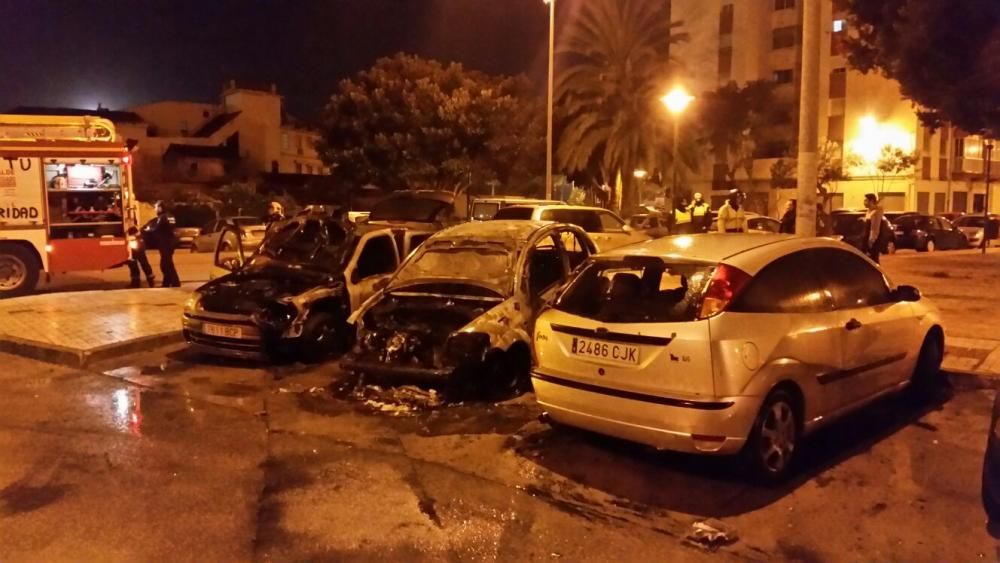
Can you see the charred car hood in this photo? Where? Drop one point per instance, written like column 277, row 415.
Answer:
column 247, row 291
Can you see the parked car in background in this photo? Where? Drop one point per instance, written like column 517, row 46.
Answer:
column 723, row 344
column 252, row 233
column 485, row 208
column 654, row 224
column 757, row 223
column 292, row 297
column 190, row 218
column 459, row 311
column 972, row 226
column 849, row 226
column 605, row 228
column 925, row 233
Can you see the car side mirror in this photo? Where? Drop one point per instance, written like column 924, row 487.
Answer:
column 231, row 264
column 906, row 294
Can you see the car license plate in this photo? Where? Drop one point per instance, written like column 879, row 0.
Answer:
column 608, row 351
column 222, row 331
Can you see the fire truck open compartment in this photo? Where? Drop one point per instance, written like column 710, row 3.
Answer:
column 84, row 200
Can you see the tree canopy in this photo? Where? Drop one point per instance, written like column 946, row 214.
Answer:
column 409, row 122
column 616, row 57
column 944, row 53
column 735, row 122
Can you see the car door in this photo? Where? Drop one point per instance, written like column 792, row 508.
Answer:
column 375, row 259
column 876, row 328
column 543, row 271
column 948, row 237
column 228, row 253
column 614, row 233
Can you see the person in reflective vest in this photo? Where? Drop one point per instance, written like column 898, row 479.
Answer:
column 700, row 217
column 732, row 217
column 682, row 218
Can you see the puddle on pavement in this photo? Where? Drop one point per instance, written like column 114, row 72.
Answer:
column 141, row 412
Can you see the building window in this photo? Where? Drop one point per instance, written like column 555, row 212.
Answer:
column 959, row 147
column 299, row 139
column 837, row 38
column 784, row 4
column 783, row 76
column 945, row 138
column 284, row 141
column 835, row 129
column 726, row 20
column 925, row 168
column 309, row 169
column 184, row 128
column 943, row 169
column 838, row 25
column 928, row 137
column 719, row 176
column 783, row 37
column 838, row 83
column 274, row 167
column 725, row 64
column 193, row 169
column 298, row 167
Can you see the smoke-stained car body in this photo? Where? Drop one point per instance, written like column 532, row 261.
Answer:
column 293, row 296
column 460, row 310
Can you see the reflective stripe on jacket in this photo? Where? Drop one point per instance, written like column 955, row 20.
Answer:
column 732, row 219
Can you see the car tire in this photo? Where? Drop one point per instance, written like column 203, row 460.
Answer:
column 20, row 271
column 322, row 336
column 929, row 245
column 926, row 377
column 511, row 371
column 773, row 444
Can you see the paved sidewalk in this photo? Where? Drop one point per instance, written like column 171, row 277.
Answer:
column 974, row 355
column 76, row 328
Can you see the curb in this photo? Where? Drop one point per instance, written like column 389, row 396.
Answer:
column 971, row 380
column 76, row 358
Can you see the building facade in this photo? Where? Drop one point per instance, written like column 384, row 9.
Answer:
column 760, row 40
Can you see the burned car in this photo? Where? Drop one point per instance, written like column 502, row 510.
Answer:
column 292, row 297
column 460, row 309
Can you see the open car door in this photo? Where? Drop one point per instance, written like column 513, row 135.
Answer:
column 228, row 253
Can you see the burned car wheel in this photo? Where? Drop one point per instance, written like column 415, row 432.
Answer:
column 323, row 335
column 512, row 372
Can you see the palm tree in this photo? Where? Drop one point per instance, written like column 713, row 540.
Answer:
column 617, row 63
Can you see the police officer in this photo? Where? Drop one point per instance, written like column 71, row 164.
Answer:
column 682, row 218
column 732, row 217
column 700, row 216
column 161, row 231
column 275, row 214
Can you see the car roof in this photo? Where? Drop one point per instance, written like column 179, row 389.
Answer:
column 750, row 252
column 560, row 207
column 507, row 231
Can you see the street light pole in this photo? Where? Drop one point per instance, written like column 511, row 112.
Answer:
column 988, row 154
column 676, row 101
column 675, row 159
column 548, row 135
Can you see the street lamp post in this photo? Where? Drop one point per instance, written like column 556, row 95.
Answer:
column 676, row 101
column 551, row 94
column 988, row 155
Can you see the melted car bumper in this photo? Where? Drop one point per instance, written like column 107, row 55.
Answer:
column 397, row 371
column 233, row 336
column 693, row 426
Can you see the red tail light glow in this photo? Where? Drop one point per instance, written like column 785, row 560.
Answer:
column 726, row 285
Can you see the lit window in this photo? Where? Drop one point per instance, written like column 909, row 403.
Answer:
column 783, row 76
column 838, row 26
column 284, row 141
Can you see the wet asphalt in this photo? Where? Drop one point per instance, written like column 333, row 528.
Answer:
column 175, row 457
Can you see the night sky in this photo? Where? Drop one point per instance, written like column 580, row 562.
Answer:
column 125, row 52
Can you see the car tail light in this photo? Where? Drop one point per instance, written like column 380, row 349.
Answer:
column 726, row 285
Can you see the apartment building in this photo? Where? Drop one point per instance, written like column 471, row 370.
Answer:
column 245, row 134
column 749, row 40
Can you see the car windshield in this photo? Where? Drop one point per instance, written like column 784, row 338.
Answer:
column 485, row 263
column 970, row 221
column 637, row 290
column 485, row 210
column 415, row 209
column 308, row 243
column 515, row 213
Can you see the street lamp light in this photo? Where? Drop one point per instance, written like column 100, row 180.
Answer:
column 676, row 101
column 548, row 135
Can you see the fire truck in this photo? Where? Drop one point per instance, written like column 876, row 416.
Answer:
column 65, row 198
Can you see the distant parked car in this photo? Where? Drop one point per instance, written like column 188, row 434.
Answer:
column 253, row 229
column 849, row 226
column 485, row 208
column 726, row 344
column 951, row 215
column 972, row 226
column 757, row 223
column 925, row 233
column 605, row 228
column 653, row 224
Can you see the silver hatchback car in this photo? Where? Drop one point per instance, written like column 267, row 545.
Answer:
column 727, row 343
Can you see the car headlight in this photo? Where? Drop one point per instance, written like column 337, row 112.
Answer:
column 466, row 347
column 193, row 304
column 275, row 316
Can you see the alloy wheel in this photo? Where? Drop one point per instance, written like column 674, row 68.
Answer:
column 778, row 436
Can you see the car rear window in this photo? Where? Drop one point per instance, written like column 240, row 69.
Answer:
column 516, row 213
column 637, row 290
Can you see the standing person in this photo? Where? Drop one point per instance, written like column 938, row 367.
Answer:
column 138, row 260
column 732, row 217
column 681, row 219
column 162, row 232
column 788, row 218
column 873, row 227
column 275, row 214
column 822, row 222
column 700, row 216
